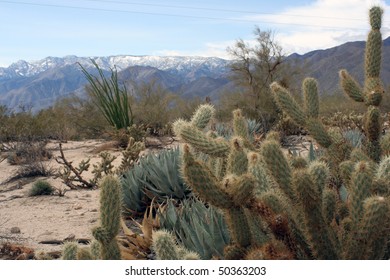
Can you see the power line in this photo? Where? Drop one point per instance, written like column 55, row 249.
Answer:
column 218, row 10
column 174, row 15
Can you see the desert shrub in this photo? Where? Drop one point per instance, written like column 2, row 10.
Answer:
column 41, row 187
column 338, row 102
column 154, row 105
column 344, row 121
column 28, row 152
column 79, row 117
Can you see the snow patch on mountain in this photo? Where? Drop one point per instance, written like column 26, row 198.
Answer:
column 175, row 64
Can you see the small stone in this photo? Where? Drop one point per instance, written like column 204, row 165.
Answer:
column 93, row 210
column 71, row 237
column 77, row 207
column 92, row 221
column 15, row 230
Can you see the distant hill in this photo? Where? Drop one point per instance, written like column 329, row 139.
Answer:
column 41, row 83
column 324, row 65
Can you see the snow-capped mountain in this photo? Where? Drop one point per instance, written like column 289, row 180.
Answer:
column 41, row 83
column 181, row 65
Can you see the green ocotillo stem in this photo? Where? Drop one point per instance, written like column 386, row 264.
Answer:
column 110, row 216
column 310, row 97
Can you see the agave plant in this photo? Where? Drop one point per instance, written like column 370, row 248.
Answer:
column 355, row 137
column 134, row 198
column 162, row 175
column 200, row 228
column 156, row 176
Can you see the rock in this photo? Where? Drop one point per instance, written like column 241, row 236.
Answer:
column 77, row 206
column 15, row 230
column 71, row 237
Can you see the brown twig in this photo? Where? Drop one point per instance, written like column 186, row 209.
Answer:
column 74, row 170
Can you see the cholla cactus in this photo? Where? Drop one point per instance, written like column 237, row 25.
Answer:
column 110, row 215
column 278, row 209
column 166, row 248
column 372, row 92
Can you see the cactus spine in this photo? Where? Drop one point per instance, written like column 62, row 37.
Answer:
column 280, row 208
column 110, row 215
column 166, row 248
column 372, row 92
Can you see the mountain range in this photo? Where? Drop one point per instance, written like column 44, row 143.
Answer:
column 40, row 84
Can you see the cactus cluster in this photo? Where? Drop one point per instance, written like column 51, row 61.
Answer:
column 336, row 206
column 277, row 208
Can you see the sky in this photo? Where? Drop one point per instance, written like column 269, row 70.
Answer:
column 34, row 29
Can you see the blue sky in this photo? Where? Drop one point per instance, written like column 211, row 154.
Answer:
column 34, row 29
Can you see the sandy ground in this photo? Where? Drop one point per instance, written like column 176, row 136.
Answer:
column 32, row 221
column 45, row 218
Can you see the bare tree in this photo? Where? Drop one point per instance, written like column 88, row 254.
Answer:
column 254, row 69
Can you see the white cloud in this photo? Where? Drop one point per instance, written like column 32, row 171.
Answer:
column 323, row 24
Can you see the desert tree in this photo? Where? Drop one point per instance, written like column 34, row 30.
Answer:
column 254, row 67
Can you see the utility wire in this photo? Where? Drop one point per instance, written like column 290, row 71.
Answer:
column 218, row 10
column 175, row 15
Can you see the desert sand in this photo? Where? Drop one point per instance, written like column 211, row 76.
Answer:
column 31, row 221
